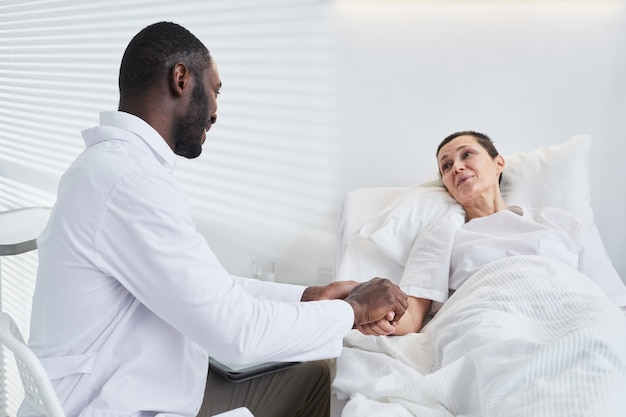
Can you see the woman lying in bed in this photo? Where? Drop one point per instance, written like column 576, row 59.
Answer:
column 470, row 168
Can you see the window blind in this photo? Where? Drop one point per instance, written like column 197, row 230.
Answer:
column 264, row 181
column 17, row 283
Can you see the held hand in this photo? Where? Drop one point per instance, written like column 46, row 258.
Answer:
column 333, row 291
column 382, row 327
column 375, row 299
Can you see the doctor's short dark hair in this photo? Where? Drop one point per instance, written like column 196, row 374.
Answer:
column 154, row 51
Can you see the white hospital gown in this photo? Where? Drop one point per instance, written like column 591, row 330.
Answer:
column 448, row 254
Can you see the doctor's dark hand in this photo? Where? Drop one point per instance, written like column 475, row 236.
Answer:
column 375, row 300
column 333, row 291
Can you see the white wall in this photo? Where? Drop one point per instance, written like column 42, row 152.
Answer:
column 526, row 73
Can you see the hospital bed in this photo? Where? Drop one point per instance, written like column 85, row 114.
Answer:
column 524, row 337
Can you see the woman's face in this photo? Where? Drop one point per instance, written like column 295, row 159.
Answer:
column 468, row 171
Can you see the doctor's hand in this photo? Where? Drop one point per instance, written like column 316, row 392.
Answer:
column 375, row 300
column 333, row 291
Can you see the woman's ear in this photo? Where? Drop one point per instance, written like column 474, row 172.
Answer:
column 500, row 162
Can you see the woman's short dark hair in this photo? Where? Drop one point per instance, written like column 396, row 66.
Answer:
column 154, row 51
column 482, row 139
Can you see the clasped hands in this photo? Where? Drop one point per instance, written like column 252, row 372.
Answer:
column 378, row 304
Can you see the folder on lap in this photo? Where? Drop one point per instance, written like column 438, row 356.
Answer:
column 243, row 374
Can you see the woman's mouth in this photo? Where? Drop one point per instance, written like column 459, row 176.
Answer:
column 462, row 180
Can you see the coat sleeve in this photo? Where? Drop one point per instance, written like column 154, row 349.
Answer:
column 148, row 242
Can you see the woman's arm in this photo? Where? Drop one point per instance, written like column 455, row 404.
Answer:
column 413, row 319
column 411, row 322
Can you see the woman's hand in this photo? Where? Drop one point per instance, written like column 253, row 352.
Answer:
column 383, row 327
column 411, row 322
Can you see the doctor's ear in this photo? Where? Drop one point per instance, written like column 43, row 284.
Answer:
column 179, row 78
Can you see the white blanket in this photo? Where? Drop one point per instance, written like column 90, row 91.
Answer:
column 524, row 336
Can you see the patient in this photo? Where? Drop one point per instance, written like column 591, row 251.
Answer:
column 471, row 168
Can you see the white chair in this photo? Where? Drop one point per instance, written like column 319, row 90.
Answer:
column 37, row 386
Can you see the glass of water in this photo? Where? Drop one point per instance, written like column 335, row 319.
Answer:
column 263, row 269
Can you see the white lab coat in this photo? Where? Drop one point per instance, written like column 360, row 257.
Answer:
column 130, row 301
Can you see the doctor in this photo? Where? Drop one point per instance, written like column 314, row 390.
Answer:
column 130, row 301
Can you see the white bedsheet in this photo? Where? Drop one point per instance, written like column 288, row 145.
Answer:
column 524, row 336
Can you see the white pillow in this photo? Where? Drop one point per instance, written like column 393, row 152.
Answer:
column 554, row 176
